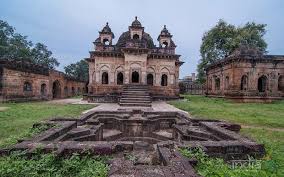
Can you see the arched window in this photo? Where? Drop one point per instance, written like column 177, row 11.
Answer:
column 105, row 78
column 262, row 84
column 136, row 37
column 43, row 89
column 281, row 83
column 150, row 79
column 106, row 42
column 165, row 44
column 56, row 90
column 227, row 82
column 244, row 82
column 217, row 84
column 164, row 80
column 27, row 87
column 119, row 78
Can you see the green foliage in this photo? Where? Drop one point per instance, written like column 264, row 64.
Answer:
column 221, row 40
column 19, row 117
column 18, row 165
column 211, row 167
column 14, row 46
column 254, row 114
column 263, row 121
column 79, row 70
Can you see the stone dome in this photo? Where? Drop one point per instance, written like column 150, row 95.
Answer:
column 136, row 23
column 124, row 37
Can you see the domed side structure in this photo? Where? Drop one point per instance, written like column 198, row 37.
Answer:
column 134, row 59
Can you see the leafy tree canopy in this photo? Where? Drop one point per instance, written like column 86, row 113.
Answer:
column 14, row 46
column 79, row 70
column 221, row 40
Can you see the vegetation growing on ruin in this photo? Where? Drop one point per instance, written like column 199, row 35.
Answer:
column 261, row 122
column 18, row 165
column 17, row 119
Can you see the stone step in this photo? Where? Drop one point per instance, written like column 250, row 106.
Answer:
column 135, row 98
column 135, row 101
column 135, row 104
column 137, row 93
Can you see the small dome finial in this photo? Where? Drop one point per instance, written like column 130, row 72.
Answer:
column 107, row 23
column 165, row 26
column 135, row 17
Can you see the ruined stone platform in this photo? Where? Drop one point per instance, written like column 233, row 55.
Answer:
column 151, row 135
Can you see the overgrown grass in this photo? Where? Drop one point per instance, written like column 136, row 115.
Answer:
column 18, row 118
column 217, row 167
column 265, row 124
column 257, row 114
column 18, row 165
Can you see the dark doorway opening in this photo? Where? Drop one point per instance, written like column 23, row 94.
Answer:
column 164, row 80
column 119, row 78
column 135, row 77
column 43, row 89
column 150, row 79
column 262, row 84
column 105, row 78
column 56, row 92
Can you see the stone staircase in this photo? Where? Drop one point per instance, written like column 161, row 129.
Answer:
column 135, row 95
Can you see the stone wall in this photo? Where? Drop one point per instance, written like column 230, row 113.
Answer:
column 133, row 63
column 246, row 80
column 24, row 86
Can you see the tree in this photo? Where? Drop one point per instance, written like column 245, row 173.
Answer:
column 42, row 56
column 221, row 40
column 14, row 46
column 79, row 70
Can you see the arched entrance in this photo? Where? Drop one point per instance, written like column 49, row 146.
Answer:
column 262, row 84
column 56, row 91
column 135, row 77
column 43, row 90
column 244, row 82
column 164, row 80
column 150, row 79
column 119, row 79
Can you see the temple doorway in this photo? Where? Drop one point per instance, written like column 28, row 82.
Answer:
column 56, row 92
column 135, row 77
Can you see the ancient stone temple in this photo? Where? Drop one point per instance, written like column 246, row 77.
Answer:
column 247, row 76
column 133, row 60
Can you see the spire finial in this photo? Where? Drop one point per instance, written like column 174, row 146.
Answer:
column 135, row 17
column 165, row 26
column 107, row 23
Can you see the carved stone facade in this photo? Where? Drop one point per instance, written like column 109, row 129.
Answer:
column 134, row 59
column 21, row 81
column 247, row 76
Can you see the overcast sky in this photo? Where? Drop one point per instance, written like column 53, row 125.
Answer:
column 69, row 27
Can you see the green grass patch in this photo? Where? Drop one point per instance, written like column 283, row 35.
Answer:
column 216, row 167
column 17, row 119
column 257, row 114
column 266, row 124
column 18, row 165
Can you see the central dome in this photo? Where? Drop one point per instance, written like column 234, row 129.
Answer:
column 146, row 39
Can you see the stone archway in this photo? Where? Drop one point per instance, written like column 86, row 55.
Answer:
column 119, row 78
column 56, row 90
column 135, row 77
column 150, row 79
column 262, row 84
